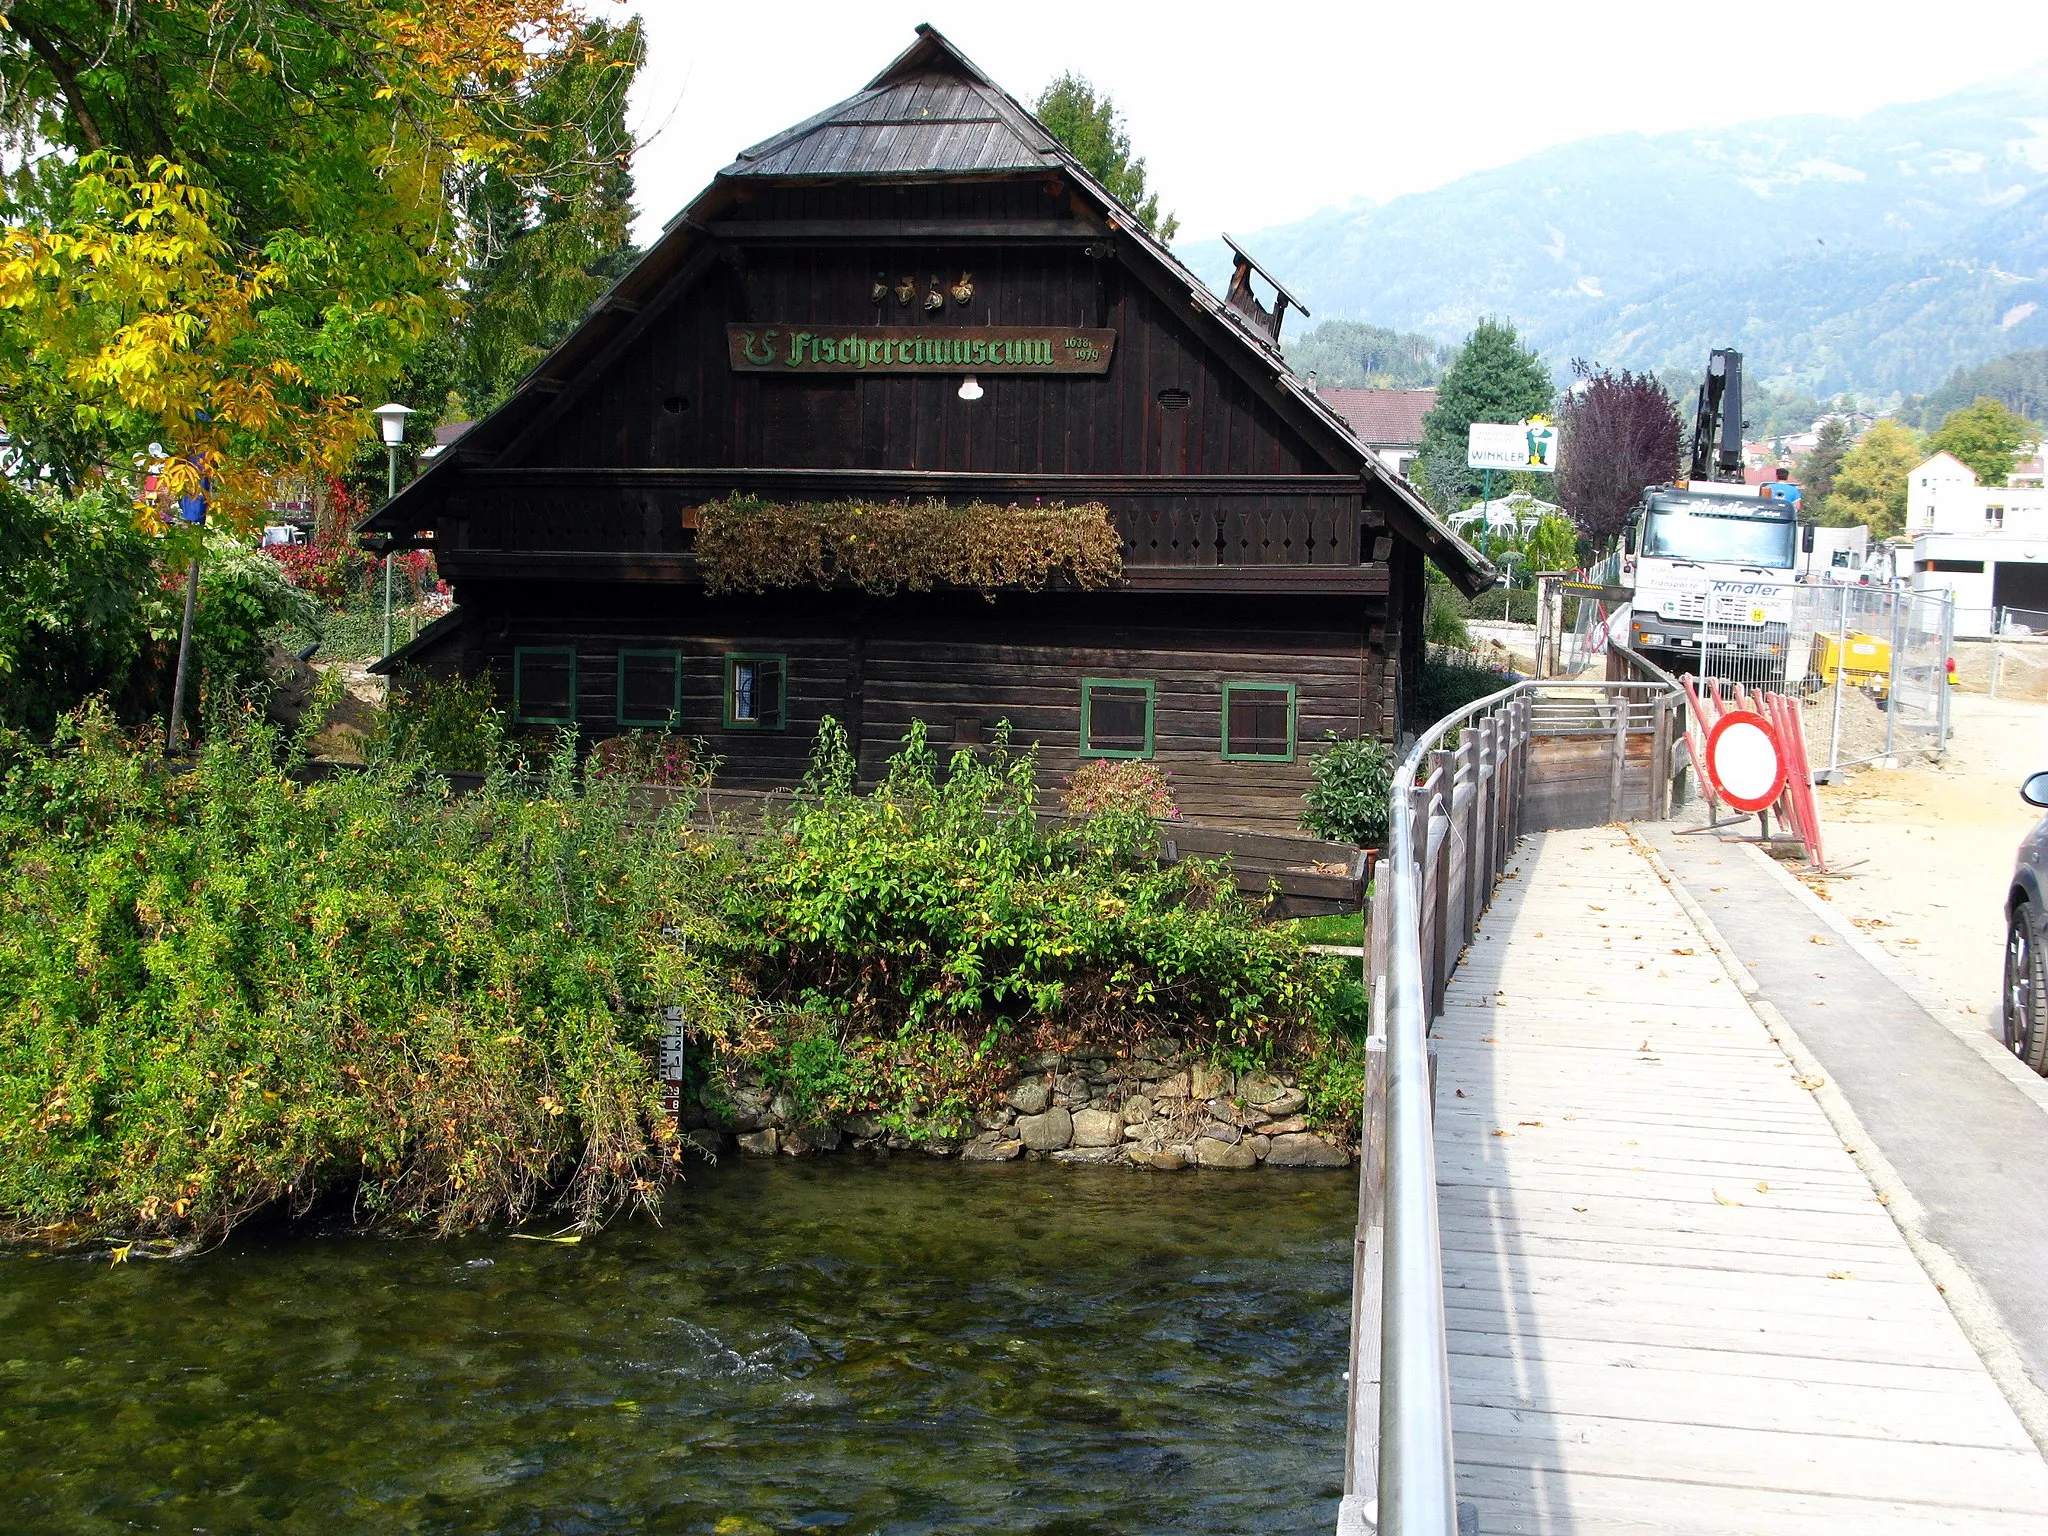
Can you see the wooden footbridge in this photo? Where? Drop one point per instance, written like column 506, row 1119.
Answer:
column 1616, row 1270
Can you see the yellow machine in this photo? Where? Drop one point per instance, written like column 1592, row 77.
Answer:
column 1863, row 660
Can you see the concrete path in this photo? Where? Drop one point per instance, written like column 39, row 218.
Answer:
column 1676, row 1303
column 1964, row 1126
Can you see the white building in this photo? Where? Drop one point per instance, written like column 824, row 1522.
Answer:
column 1986, row 544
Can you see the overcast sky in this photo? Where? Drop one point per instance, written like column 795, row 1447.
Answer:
column 1253, row 114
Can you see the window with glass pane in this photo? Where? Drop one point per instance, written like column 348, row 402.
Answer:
column 753, row 692
column 1258, row 721
column 544, row 685
column 1116, row 718
column 650, row 687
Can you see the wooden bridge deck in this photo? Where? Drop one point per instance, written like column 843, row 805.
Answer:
column 1676, row 1304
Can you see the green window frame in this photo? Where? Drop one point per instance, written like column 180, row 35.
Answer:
column 1089, row 685
column 763, row 664
column 675, row 708
column 1237, row 754
column 520, row 712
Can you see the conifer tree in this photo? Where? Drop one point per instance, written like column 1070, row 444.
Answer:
column 1495, row 378
column 1093, row 131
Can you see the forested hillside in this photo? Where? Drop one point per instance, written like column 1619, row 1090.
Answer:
column 1875, row 254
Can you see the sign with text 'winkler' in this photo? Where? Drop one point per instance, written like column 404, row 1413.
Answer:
column 907, row 349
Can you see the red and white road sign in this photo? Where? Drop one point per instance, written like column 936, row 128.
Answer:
column 1745, row 760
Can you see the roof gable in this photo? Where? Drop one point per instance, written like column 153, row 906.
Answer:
column 1382, row 417
column 930, row 113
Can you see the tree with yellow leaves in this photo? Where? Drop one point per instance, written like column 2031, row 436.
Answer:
column 230, row 226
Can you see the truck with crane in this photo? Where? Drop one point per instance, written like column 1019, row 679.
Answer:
column 1713, row 562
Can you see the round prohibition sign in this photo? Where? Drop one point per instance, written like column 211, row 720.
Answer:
column 1745, row 761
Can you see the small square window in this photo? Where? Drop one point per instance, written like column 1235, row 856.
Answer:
column 650, row 688
column 1258, row 722
column 1116, row 717
column 754, row 687
column 544, row 685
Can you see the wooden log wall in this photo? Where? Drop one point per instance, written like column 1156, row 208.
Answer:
column 1167, row 406
column 962, row 665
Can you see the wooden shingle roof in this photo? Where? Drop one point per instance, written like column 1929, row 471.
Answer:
column 930, row 113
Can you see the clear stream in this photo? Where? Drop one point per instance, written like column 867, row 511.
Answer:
column 831, row 1346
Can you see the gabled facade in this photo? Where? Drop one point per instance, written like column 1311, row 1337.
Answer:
column 806, row 331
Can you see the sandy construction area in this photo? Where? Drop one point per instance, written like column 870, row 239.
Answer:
column 1925, row 851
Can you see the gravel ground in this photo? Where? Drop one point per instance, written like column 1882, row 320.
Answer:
column 1923, row 851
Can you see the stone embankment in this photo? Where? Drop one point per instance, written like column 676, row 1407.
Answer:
column 1152, row 1110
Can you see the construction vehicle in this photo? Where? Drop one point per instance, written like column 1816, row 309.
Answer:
column 1712, row 562
column 1864, row 661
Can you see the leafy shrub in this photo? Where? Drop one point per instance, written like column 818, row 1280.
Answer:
column 1120, row 784
column 1352, row 790
column 746, row 544
column 225, row 989
column 1443, row 617
column 450, row 725
column 1450, row 681
column 646, row 757
column 936, row 933
column 1516, row 605
column 91, row 603
column 77, row 600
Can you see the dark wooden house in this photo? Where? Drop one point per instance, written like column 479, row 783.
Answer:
column 805, row 331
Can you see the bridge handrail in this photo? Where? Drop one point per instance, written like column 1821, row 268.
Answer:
column 1399, row 1473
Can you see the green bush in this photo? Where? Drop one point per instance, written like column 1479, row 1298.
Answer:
column 1352, row 789
column 1516, row 605
column 931, row 933
column 1450, row 681
column 224, row 989
column 1443, row 618
column 452, row 726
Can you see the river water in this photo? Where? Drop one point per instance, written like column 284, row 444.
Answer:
column 834, row 1346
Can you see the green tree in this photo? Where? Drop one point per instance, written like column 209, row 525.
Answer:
column 550, row 236
column 1496, row 378
column 1093, row 131
column 1986, row 436
column 232, row 225
column 1818, row 469
column 1870, row 487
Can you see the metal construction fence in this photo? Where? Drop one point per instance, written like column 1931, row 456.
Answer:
column 2013, row 662
column 1869, row 665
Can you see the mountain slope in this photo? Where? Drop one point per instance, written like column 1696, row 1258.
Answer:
column 1877, row 252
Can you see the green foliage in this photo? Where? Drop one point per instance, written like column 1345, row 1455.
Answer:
column 1986, row 436
column 1816, row 472
column 1444, row 612
column 1515, row 605
column 225, row 989
column 1120, row 784
column 1870, row 487
column 449, row 725
column 551, row 236
column 1348, row 354
column 1552, row 545
column 76, row 579
column 939, row 933
column 1352, row 786
column 1495, row 378
column 746, row 544
column 1450, row 681
column 232, row 225
column 1093, row 131
column 90, row 603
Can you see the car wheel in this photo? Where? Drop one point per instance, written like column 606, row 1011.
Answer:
column 2026, row 990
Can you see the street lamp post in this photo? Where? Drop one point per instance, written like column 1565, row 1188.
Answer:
column 391, row 422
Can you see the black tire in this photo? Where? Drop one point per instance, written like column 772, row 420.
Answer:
column 2026, row 989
